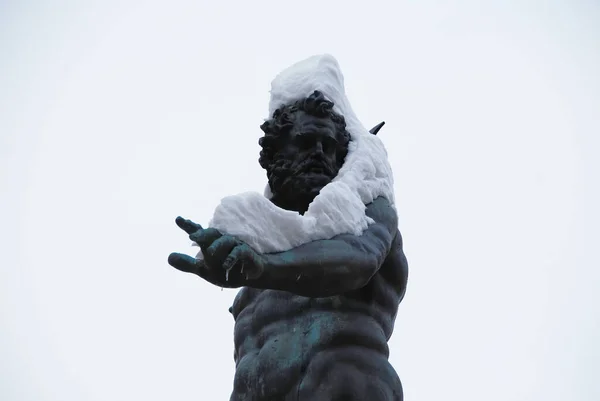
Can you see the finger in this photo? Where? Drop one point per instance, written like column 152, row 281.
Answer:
column 187, row 225
column 238, row 253
column 257, row 266
column 205, row 237
column 185, row 263
column 234, row 256
column 221, row 247
column 252, row 263
column 188, row 264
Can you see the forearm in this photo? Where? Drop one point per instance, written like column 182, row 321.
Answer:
column 328, row 267
column 318, row 269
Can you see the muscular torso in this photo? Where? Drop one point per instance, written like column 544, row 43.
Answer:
column 289, row 347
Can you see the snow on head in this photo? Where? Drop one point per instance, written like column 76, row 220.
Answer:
column 340, row 206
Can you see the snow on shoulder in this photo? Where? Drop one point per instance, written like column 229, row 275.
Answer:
column 340, row 206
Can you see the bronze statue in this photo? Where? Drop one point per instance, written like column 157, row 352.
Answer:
column 311, row 322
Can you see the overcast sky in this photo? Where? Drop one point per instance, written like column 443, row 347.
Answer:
column 117, row 116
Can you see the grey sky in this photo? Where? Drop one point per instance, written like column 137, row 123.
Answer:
column 115, row 117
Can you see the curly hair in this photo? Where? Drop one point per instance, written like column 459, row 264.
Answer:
column 283, row 121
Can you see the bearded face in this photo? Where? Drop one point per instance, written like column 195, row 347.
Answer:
column 307, row 159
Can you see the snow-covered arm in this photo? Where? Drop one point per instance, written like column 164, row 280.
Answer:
column 317, row 269
column 329, row 267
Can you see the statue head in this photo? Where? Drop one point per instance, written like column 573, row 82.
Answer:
column 304, row 147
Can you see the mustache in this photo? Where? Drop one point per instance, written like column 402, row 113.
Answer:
column 293, row 178
column 310, row 164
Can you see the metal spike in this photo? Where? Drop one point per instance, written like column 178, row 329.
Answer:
column 376, row 128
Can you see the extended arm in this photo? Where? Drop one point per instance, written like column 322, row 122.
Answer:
column 316, row 269
column 329, row 267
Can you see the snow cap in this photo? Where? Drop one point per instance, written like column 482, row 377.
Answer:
column 322, row 73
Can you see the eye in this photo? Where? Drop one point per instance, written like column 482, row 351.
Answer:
column 329, row 145
column 304, row 141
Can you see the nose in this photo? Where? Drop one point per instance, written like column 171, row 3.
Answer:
column 319, row 148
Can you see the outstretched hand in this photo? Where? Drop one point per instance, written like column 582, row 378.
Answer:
column 227, row 261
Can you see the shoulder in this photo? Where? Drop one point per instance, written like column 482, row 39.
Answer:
column 395, row 268
column 384, row 214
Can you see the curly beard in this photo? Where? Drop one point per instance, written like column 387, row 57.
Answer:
column 299, row 182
